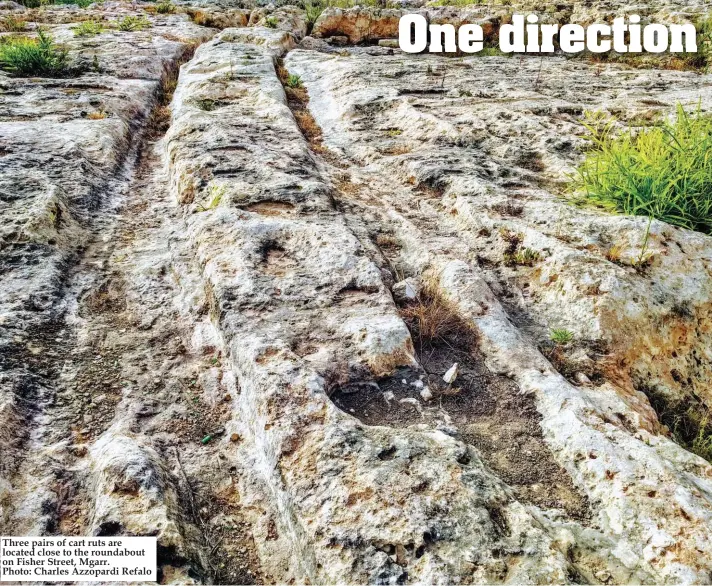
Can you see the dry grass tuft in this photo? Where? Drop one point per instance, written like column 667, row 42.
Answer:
column 12, row 24
column 298, row 100
column 310, row 129
column 431, row 319
column 613, row 254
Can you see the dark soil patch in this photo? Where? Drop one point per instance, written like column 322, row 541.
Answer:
column 482, row 409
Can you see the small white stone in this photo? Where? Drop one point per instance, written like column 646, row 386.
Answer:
column 426, row 394
column 410, row 291
column 582, row 379
column 451, row 374
column 418, row 384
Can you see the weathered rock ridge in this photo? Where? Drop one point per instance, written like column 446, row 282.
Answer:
column 211, row 240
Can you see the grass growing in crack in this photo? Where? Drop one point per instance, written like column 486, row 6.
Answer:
column 24, row 57
column 645, row 255
column 294, row 81
column 523, row 257
column 689, row 421
column 431, row 318
column 165, row 7
column 561, row 336
column 215, row 195
column 271, row 22
column 514, row 254
column 702, row 442
column 664, row 172
column 12, row 24
column 298, row 100
column 88, row 28
column 133, row 23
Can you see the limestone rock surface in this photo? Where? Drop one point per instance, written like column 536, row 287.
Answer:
column 223, row 243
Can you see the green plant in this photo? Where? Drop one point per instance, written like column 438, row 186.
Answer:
column 133, row 23
column 12, row 24
column 524, row 256
column 702, row 442
column 313, row 11
column 294, row 81
column 215, row 195
column 165, row 7
column 24, row 57
column 703, row 58
column 88, row 28
column 271, row 22
column 688, row 420
column 560, row 336
column 663, row 172
column 645, row 256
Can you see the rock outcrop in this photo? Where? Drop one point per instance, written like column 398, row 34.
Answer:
column 220, row 249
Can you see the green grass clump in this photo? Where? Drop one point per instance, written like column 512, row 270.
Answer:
column 523, row 256
column 663, row 172
column 25, row 57
column 294, row 81
column 271, row 22
column 561, row 336
column 313, row 11
column 133, row 23
column 702, row 442
column 88, row 28
column 165, row 7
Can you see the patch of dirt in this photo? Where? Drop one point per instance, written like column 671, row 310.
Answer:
column 482, row 409
column 222, row 524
